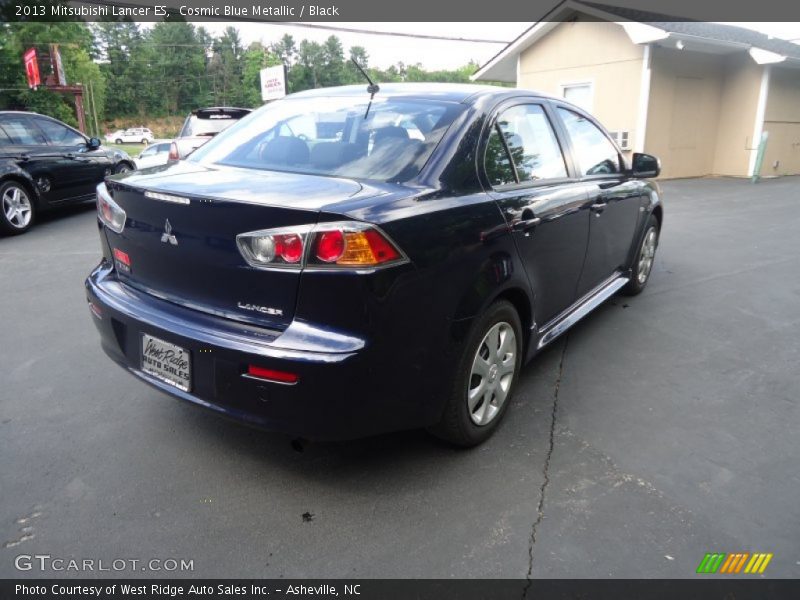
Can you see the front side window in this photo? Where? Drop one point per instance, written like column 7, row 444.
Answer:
column 387, row 140
column 595, row 153
column 60, row 135
column 531, row 143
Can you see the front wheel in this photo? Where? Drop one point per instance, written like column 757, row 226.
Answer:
column 643, row 262
column 122, row 168
column 144, row 142
column 16, row 208
column 118, row 141
column 485, row 378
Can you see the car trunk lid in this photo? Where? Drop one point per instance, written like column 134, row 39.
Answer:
column 181, row 228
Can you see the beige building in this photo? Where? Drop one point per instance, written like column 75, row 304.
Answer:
column 697, row 95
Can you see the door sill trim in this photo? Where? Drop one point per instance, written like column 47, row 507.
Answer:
column 581, row 308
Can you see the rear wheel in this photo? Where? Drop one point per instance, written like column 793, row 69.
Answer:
column 485, row 378
column 643, row 262
column 16, row 208
column 118, row 141
column 144, row 141
column 122, row 168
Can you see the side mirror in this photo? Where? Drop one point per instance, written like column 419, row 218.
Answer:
column 645, row 166
column 94, row 143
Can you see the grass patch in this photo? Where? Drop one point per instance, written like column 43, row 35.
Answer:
column 131, row 150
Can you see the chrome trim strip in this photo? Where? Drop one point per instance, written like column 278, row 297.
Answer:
column 582, row 308
column 167, row 197
column 265, row 380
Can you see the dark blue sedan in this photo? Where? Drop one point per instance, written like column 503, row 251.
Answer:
column 336, row 265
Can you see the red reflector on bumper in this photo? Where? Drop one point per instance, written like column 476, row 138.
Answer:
column 96, row 310
column 122, row 257
column 271, row 374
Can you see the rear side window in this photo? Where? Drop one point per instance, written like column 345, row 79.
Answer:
column 498, row 165
column 22, row 131
column 524, row 138
column 595, row 153
column 58, row 134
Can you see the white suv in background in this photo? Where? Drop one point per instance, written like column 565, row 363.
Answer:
column 133, row 135
column 201, row 125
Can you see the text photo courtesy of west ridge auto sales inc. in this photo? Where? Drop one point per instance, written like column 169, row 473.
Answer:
column 399, row 301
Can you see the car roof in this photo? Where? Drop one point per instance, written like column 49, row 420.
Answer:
column 449, row 92
column 27, row 112
column 35, row 114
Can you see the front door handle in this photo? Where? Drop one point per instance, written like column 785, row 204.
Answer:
column 598, row 207
column 526, row 225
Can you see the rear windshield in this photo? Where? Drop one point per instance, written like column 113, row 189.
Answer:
column 206, row 124
column 336, row 136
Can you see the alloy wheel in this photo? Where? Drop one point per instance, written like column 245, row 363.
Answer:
column 646, row 255
column 17, row 207
column 492, row 373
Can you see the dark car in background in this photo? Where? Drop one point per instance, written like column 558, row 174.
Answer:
column 45, row 163
column 201, row 125
column 392, row 268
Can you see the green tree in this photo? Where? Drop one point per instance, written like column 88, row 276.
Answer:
column 176, row 59
column 225, row 69
column 124, row 67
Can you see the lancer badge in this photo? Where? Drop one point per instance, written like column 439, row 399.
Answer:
column 167, row 235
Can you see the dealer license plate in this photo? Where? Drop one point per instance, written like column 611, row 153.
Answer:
column 168, row 362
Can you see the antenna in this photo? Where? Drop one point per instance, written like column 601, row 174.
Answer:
column 372, row 89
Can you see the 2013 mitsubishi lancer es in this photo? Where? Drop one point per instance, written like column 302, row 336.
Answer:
column 342, row 263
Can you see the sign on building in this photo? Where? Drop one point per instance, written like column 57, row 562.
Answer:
column 273, row 83
column 32, row 69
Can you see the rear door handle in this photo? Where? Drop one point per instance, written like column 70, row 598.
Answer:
column 598, row 207
column 526, row 225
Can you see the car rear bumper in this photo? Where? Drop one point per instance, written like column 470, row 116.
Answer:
column 340, row 392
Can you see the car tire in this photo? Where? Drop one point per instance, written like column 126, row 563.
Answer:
column 17, row 208
column 122, row 167
column 485, row 378
column 118, row 141
column 642, row 266
column 145, row 142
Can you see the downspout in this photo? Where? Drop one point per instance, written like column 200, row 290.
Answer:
column 758, row 127
column 644, row 101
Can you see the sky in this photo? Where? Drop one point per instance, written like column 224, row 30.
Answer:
column 384, row 51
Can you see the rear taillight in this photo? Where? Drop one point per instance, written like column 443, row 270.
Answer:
column 344, row 245
column 173, row 152
column 110, row 213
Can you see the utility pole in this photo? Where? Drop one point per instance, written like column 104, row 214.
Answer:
column 94, row 109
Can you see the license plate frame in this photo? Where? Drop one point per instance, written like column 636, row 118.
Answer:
column 166, row 361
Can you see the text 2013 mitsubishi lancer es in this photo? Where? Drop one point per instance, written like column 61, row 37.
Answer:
column 336, row 265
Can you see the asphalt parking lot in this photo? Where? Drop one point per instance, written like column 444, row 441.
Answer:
column 662, row 427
